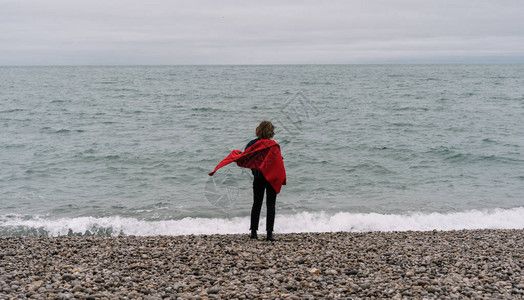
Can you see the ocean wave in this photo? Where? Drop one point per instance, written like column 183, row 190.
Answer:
column 453, row 155
column 207, row 109
column 60, row 131
column 11, row 110
column 17, row 225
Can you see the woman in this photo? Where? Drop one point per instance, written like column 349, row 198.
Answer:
column 262, row 155
column 264, row 131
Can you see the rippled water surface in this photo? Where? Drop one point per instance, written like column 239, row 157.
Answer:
column 136, row 143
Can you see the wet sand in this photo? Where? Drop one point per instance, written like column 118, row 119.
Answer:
column 477, row 264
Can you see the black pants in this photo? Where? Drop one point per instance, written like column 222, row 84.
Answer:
column 260, row 184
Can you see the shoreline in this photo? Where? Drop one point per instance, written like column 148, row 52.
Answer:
column 484, row 264
column 300, row 222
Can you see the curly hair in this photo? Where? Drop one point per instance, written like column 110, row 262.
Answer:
column 265, row 130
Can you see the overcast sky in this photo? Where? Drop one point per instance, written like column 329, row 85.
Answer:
column 131, row 32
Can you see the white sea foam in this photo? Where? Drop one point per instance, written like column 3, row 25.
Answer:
column 301, row 222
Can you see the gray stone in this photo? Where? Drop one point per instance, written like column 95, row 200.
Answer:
column 422, row 282
column 68, row 277
column 64, row 296
column 352, row 272
column 433, row 289
column 213, row 290
column 77, row 288
column 331, row 272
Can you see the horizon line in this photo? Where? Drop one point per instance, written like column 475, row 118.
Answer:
column 263, row 64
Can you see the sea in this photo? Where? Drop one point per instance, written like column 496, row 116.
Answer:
column 126, row 150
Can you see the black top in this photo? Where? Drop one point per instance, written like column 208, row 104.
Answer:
column 256, row 173
column 251, row 143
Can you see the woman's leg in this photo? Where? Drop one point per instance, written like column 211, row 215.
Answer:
column 258, row 197
column 271, row 197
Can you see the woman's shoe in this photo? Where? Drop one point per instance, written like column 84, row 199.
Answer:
column 254, row 235
column 270, row 237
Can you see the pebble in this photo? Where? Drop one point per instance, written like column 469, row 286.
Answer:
column 213, row 291
column 68, row 277
column 476, row 264
column 77, row 288
column 332, row 272
column 352, row 272
column 422, row 282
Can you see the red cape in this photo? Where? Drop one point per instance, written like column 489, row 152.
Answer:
column 264, row 155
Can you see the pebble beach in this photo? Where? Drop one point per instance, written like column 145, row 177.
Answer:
column 467, row 264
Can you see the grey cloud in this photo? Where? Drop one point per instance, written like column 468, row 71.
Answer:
column 228, row 32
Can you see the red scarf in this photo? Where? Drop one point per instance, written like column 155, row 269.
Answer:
column 264, row 155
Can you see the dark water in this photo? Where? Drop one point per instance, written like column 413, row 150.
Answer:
column 110, row 150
